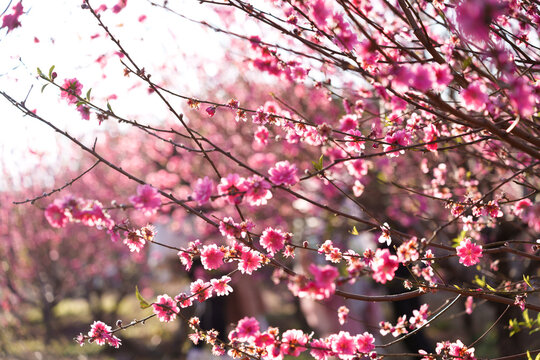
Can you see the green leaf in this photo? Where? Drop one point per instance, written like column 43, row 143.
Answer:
column 143, row 303
column 466, row 63
column 459, row 238
column 526, row 279
column 480, row 282
column 319, row 164
column 491, row 288
column 109, row 107
column 79, row 103
column 513, row 326
column 88, row 94
column 43, row 87
column 354, row 231
column 527, row 318
column 51, row 71
column 40, row 73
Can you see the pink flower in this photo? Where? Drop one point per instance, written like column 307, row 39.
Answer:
column 357, row 168
column 56, row 215
column 71, row 89
column 211, row 257
column 384, row 266
column 134, row 240
column 261, row 135
column 11, row 21
column 521, row 206
column 247, row 328
column 221, row 286
column 250, row 260
column 460, row 351
column 321, row 10
column 522, row 97
column 443, row 76
column 348, row 122
column 211, row 110
column 202, row 290
column 423, row 77
column 272, row 240
column 323, row 285
column 165, row 308
column 320, row 349
column 475, row 16
column 229, row 228
column 468, row 252
column 147, row 199
column 354, row 142
column 234, row 187
column 186, row 259
column 475, row 97
column 203, row 190
column 385, row 235
column 343, row 313
column 358, row 188
column 119, row 6
column 100, row 333
column 431, row 134
column 183, row 300
column 258, row 191
column 365, row 342
column 283, row 173
column 469, row 305
column 292, row 342
column 84, row 111
column 401, row 138
column 343, row 344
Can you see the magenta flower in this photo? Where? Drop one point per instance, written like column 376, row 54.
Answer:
column 384, row 266
column 221, row 286
column 134, row 240
column 293, row 341
column 261, row 135
column 100, row 333
column 475, row 97
column 423, row 77
column 234, row 187
column 258, row 192
column 401, row 138
column 202, row 290
column 250, row 260
column 71, row 89
column 283, row 173
column 475, row 16
column 469, row 253
column 320, row 349
column 203, row 190
column 147, row 199
column 11, row 21
column 272, row 240
column 56, row 215
column 354, row 141
column 165, row 308
column 211, row 257
column 365, row 342
column 247, row 328
column 343, row 343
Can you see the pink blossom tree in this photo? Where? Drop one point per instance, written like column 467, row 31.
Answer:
column 389, row 143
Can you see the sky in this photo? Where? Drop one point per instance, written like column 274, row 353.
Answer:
column 59, row 33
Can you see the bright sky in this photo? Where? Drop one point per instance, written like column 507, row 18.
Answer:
column 64, row 33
